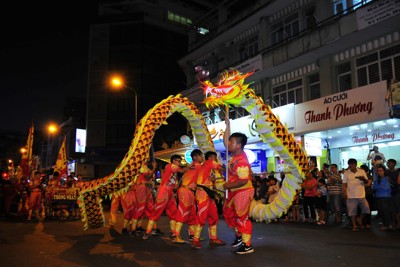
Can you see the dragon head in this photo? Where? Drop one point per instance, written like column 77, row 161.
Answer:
column 230, row 89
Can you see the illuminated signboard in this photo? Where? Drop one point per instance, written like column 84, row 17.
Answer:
column 80, row 141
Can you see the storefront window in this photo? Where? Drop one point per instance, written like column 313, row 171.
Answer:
column 391, row 150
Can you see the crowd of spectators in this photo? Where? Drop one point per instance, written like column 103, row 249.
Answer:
column 324, row 193
column 40, row 197
column 347, row 196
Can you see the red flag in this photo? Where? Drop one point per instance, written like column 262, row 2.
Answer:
column 62, row 163
column 26, row 160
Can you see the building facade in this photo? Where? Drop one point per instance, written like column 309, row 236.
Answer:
column 304, row 52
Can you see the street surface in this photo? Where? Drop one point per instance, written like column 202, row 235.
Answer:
column 65, row 244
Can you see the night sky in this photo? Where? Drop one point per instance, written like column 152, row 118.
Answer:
column 44, row 59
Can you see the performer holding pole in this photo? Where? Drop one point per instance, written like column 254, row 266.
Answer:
column 241, row 191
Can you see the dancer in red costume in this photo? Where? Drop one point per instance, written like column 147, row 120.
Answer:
column 165, row 199
column 145, row 203
column 205, row 198
column 236, row 207
column 35, row 197
column 186, row 212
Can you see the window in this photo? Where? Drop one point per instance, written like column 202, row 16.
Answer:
column 341, row 6
column 387, row 69
column 249, row 48
column 310, row 17
column 396, row 66
column 291, row 25
column 179, row 19
column 390, row 62
column 240, row 112
column 202, row 31
column 284, row 94
column 257, row 88
column 378, row 66
column 277, row 33
column 314, row 84
column 285, row 28
column 359, row 3
column 344, row 76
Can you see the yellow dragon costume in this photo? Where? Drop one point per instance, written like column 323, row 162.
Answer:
column 230, row 90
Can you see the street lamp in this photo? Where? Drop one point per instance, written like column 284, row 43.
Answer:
column 52, row 128
column 117, row 82
column 23, row 150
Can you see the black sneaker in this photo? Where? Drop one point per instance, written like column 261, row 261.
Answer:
column 157, row 232
column 134, row 233
column 140, row 229
column 243, row 249
column 237, row 242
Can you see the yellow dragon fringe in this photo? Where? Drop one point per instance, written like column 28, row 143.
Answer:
column 230, row 90
column 91, row 192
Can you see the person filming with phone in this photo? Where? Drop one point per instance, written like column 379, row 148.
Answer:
column 376, row 158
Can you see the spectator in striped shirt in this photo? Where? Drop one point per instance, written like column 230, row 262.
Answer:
column 334, row 185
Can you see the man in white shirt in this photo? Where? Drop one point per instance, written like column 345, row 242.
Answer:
column 354, row 180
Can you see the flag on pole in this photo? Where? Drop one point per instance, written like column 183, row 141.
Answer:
column 62, row 163
column 26, row 160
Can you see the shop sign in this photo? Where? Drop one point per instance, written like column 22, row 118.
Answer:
column 373, row 138
column 377, row 12
column 359, row 105
column 364, row 138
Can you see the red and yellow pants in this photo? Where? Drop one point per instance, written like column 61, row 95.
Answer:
column 165, row 200
column 206, row 212
column 236, row 213
column 144, row 202
column 186, row 212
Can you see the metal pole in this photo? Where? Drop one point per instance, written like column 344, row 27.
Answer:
column 48, row 154
column 136, row 108
column 226, row 148
column 136, row 103
column 227, row 151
